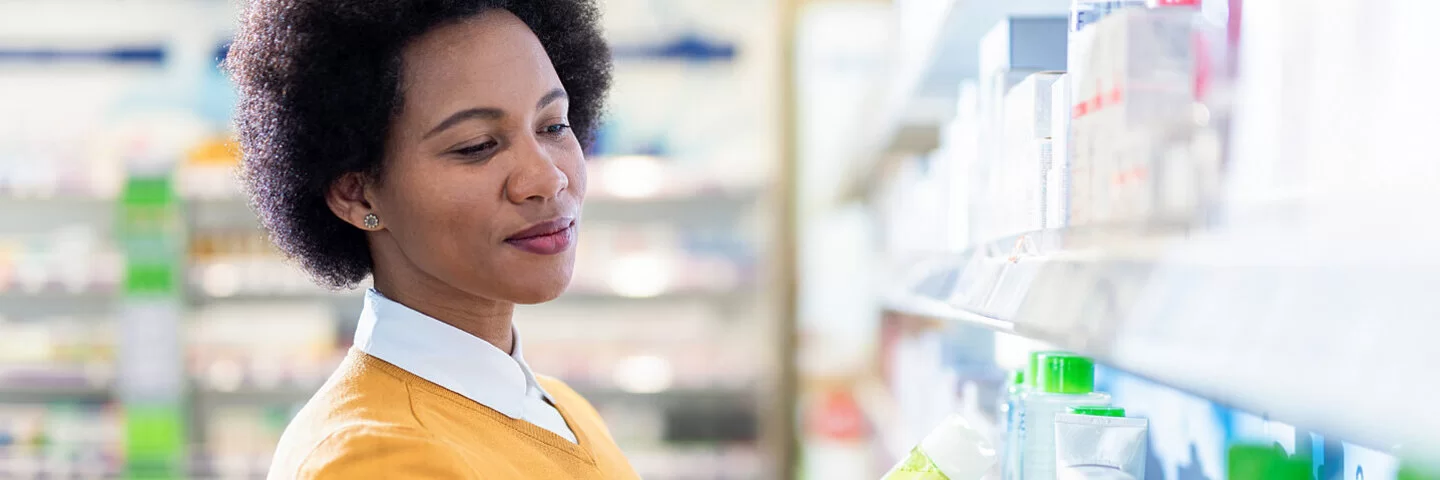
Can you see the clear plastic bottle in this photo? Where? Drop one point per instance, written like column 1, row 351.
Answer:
column 1012, row 458
column 1062, row 380
column 1009, row 417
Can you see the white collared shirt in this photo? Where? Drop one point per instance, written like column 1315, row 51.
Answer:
column 454, row 359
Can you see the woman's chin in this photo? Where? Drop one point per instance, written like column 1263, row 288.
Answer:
column 533, row 294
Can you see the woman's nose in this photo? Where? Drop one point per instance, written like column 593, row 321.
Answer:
column 536, row 176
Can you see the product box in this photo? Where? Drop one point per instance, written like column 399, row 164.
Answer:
column 1027, row 105
column 1084, row 13
column 1012, row 50
column 1024, row 43
column 1015, row 48
column 1057, row 177
column 959, row 146
column 1021, row 176
column 1135, row 82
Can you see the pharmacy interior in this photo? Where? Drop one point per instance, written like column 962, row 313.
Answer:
column 1182, row 239
column 149, row 330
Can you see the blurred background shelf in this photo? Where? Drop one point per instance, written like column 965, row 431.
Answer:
column 672, row 265
column 282, row 396
column 41, row 394
column 906, row 109
column 713, row 207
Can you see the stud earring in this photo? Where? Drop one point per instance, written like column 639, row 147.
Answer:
column 371, row 221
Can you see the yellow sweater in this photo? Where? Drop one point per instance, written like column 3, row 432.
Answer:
column 375, row 420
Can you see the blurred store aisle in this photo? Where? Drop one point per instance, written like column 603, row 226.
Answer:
column 104, row 100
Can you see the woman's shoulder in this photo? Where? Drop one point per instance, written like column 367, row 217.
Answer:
column 362, row 409
column 362, row 449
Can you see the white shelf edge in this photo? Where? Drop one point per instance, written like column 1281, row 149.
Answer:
column 1343, row 328
column 920, row 306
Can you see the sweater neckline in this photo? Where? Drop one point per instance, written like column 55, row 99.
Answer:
column 581, row 449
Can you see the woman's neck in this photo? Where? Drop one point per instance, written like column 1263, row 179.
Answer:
column 487, row 319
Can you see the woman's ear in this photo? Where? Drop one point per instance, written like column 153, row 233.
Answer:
column 349, row 199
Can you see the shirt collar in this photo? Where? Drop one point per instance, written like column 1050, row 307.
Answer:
column 445, row 355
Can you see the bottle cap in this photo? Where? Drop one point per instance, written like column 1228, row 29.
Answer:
column 1065, row 373
column 1256, row 462
column 1410, row 471
column 1017, row 377
column 1098, row 411
column 1036, row 359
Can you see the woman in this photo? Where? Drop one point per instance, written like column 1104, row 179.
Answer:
column 434, row 145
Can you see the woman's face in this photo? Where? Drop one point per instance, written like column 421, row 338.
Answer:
column 483, row 179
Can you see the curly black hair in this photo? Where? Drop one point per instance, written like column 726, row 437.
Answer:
column 318, row 84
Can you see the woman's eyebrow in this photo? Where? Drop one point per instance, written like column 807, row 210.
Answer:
column 485, row 113
column 554, row 95
column 490, row 113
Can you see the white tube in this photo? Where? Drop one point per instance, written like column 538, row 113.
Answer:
column 1092, row 447
column 954, row 451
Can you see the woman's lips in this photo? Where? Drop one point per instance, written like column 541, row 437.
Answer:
column 548, row 238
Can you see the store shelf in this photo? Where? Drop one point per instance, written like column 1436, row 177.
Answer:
column 672, row 396
column 701, row 207
column 739, row 295
column 39, row 394
column 196, row 297
column 53, row 301
column 914, row 100
column 727, row 297
column 278, row 396
column 1306, row 327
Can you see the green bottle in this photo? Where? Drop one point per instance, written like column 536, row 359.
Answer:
column 1258, row 462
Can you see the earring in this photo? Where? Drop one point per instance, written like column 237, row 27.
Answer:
column 371, row 221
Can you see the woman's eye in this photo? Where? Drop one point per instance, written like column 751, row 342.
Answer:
column 477, row 149
column 557, row 129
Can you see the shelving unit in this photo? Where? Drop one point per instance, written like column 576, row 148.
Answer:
column 905, row 112
column 1217, row 314
column 698, row 230
column 1287, row 300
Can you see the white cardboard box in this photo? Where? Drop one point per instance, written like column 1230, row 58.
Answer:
column 1027, row 154
column 1135, row 81
column 1057, row 177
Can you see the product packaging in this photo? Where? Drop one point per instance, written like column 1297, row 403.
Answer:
column 1172, row 3
column 1132, row 85
column 1057, row 177
column 960, row 146
column 1062, row 380
column 1011, row 51
column 1260, row 462
column 1028, row 153
column 1084, row 13
column 1099, row 442
column 1009, row 425
column 954, row 451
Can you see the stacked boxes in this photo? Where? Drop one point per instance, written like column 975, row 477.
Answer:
column 1027, row 153
column 1013, row 50
column 1057, row 177
column 1133, row 86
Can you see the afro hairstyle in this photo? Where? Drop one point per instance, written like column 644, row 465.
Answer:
column 318, row 84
